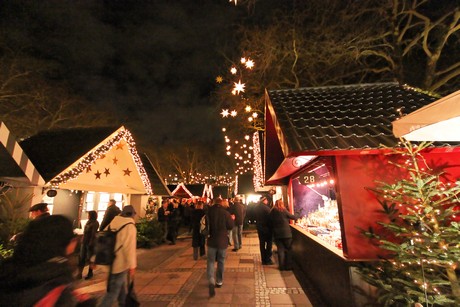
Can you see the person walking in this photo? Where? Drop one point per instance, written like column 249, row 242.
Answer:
column 174, row 219
column 111, row 212
column 279, row 223
column 125, row 258
column 87, row 245
column 220, row 221
column 264, row 232
column 198, row 240
column 39, row 272
column 239, row 210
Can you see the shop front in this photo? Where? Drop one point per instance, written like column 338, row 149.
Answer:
column 330, row 146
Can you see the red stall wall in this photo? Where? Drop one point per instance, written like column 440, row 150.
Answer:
column 359, row 206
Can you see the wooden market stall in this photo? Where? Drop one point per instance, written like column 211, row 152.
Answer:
column 325, row 145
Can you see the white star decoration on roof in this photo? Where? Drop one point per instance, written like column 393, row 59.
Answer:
column 239, row 87
column 224, row 113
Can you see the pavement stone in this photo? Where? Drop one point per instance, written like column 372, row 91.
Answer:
column 167, row 275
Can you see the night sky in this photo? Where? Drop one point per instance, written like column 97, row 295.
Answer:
column 152, row 63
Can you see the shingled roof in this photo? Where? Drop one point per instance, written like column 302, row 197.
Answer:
column 341, row 117
column 53, row 151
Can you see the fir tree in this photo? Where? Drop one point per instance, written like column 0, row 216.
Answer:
column 420, row 236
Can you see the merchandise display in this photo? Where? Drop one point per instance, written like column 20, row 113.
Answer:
column 324, row 223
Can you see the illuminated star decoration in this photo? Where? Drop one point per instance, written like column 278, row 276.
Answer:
column 225, row 113
column 233, row 113
column 248, row 109
column 127, row 172
column 249, row 64
column 107, row 172
column 233, row 70
column 219, row 79
column 98, row 175
column 115, row 161
column 239, row 87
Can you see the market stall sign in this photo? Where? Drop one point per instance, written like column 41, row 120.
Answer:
column 308, row 178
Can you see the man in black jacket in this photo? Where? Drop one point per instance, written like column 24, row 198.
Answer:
column 264, row 232
column 111, row 212
column 220, row 222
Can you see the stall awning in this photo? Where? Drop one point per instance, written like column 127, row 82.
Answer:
column 438, row 121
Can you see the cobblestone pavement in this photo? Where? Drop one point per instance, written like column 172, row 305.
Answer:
column 168, row 276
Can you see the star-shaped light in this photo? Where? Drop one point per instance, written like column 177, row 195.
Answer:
column 249, row 64
column 233, row 70
column 107, row 172
column 97, row 174
column 255, row 115
column 219, row 79
column 239, row 87
column 127, row 172
column 248, row 109
column 233, row 113
column 224, row 113
column 243, row 60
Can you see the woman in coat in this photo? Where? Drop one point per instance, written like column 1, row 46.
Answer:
column 198, row 240
column 279, row 223
column 87, row 244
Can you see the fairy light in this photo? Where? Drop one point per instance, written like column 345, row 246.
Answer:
column 248, row 108
column 258, row 178
column 233, row 113
column 86, row 161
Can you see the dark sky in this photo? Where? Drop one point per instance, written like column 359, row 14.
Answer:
column 153, row 63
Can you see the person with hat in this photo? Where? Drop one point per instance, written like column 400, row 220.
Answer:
column 125, row 262
column 264, row 231
column 39, row 210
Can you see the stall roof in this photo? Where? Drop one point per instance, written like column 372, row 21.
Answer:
column 101, row 159
column 438, row 121
column 159, row 188
column 307, row 122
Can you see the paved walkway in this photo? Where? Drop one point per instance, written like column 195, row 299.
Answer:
column 168, row 276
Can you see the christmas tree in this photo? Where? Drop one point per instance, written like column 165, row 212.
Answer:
column 419, row 236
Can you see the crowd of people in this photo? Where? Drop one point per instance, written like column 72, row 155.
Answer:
column 39, row 273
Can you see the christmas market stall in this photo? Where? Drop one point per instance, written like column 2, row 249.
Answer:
column 83, row 168
column 325, row 145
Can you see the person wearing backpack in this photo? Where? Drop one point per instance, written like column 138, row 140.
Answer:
column 125, row 257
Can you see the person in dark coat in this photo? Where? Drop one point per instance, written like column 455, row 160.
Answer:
column 174, row 219
column 262, row 211
column 279, row 223
column 111, row 212
column 239, row 210
column 87, row 244
column 220, row 222
column 39, row 273
column 198, row 240
column 39, row 210
column 163, row 215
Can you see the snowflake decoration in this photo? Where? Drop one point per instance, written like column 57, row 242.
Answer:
column 239, row 87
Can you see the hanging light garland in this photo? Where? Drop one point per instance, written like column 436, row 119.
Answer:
column 88, row 160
